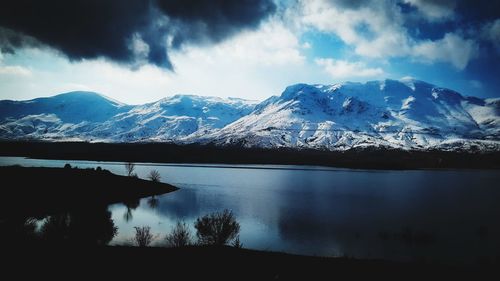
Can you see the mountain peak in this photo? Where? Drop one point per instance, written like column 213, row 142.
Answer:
column 301, row 89
column 406, row 113
column 190, row 100
column 85, row 96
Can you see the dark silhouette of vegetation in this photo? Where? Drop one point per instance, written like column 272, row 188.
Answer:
column 130, row 168
column 143, row 236
column 55, row 228
column 47, row 191
column 237, row 243
column 67, row 166
column 217, row 228
column 180, row 236
column 18, row 230
column 92, row 226
column 154, row 176
column 376, row 158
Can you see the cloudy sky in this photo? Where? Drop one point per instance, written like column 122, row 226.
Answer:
column 139, row 51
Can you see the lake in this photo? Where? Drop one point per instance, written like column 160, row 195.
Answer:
column 446, row 215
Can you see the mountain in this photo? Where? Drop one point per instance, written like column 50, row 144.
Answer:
column 92, row 117
column 408, row 114
column 72, row 107
column 405, row 114
column 172, row 118
column 64, row 115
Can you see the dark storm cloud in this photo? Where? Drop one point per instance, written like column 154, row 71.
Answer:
column 107, row 28
column 213, row 20
column 477, row 11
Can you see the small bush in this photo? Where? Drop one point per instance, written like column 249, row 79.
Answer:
column 67, row 166
column 217, row 228
column 154, row 176
column 130, row 168
column 143, row 236
column 180, row 236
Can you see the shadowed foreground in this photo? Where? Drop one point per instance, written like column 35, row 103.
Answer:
column 218, row 263
column 43, row 191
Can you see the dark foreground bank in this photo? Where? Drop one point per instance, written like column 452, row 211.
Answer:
column 218, row 263
column 171, row 153
column 35, row 192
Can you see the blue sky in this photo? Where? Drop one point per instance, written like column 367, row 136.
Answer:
column 453, row 44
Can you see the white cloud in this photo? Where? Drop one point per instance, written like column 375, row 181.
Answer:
column 14, row 70
column 435, row 9
column 344, row 69
column 451, row 48
column 251, row 65
column 394, row 44
column 376, row 30
column 272, row 44
column 381, row 20
column 140, row 49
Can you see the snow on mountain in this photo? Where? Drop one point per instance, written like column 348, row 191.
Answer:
column 55, row 117
column 72, row 107
column 408, row 114
column 93, row 117
column 173, row 118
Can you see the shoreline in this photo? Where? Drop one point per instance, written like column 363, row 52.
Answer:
column 164, row 153
column 68, row 189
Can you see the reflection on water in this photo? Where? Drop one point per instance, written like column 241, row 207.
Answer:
column 130, row 205
column 401, row 215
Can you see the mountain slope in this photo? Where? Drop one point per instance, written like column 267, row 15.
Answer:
column 93, row 117
column 72, row 107
column 172, row 118
column 53, row 117
column 408, row 114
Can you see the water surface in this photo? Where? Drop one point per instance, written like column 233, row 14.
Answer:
column 450, row 215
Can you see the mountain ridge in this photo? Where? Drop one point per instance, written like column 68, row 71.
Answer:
column 405, row 114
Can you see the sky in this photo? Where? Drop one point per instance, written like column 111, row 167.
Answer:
column 140, row 51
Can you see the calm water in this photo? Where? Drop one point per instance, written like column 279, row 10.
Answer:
column 402, row 215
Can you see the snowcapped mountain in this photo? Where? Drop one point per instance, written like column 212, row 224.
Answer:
column 407, row 114
column 172, row 118
column 92, row 117
column 64, row 115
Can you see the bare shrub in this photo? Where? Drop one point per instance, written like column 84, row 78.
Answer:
column 154, row 176
column 143, row 236
column 180, row 236
column 217, row 228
